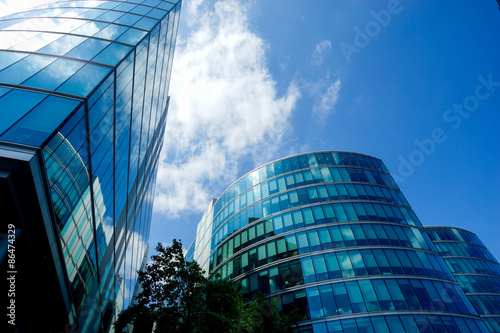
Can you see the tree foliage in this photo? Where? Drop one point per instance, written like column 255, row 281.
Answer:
column 176, row 297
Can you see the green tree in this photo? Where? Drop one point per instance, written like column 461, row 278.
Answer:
column 263, row 317
column 176, row 297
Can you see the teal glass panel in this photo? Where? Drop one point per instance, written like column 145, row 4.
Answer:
column 35, row 127
column 24, row 68
column 83, row 82
column 54, row 75
column 15, row 105
column 112, row 54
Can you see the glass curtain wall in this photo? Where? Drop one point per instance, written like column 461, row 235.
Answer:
column 86, row 82
column 475, row 269
column 331, row 234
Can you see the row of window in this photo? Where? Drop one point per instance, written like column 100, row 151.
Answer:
column 296, row 163
column 82, row 8
column 398, row 324
column 453, row 234
column 465, row 265
column 32, row 117
column 479, row 283
column 372, row 262
column 492, row 323
column 309, row 195
column 337, row 265
column 72, row 180
column 317, row 215
column 115, row 5
column 334, row 236
column 110, row 14
column 486, row 304
column 307, row 177
column 373, row 295
column 463, row 249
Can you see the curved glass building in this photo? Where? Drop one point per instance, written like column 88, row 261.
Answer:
column 475, row 269
column 331, row 234
column 83, row 105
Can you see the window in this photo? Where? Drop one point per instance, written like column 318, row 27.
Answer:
column 341, row 298
column 328, row 301
column 357, row 302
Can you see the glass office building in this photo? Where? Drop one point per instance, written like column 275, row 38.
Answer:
column 331, row 234
column 83, row 106
column 475, row 269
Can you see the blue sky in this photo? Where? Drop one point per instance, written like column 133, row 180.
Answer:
column 260, row 80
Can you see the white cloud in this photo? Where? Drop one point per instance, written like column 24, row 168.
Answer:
column 299, row 149
column 319, row 52
column 192, row 8
column 13, row 6
column 224, row 108
column 326, row 102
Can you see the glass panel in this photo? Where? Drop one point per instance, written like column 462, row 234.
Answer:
column 314, row 302
column 24, row 68
column 333, row 266
column 15, row 105
column 83, row 82
column 54, row 75
column 357, row 302
column 43, row 120
column 341, row 298
column 328, row 301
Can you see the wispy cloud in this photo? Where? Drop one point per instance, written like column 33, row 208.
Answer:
column 319, row 52
column 224, row 108
column 325, row 102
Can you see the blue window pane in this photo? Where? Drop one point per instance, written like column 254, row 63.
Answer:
column 92, row 13
column 132, row 36
column 320, row 328
column 349, row 326
column 394, row 324
column 357, row 302
column 88, row 49
column 329, row 306
column 90, row 28
column 146, row 23
column 128, row 19
column 314, row 302
column 341, row 298
column 84, row 80
column 365, row 325
column 109, row 16
column 396, row 295
column 62, row 45
column 43, row 120
column 24, row 68
column 15, row 105
column 334, row 326
column 409, row 324
column 3, row 91
column 8, row 58
column 165, row 5
column 125, row 7
column 111, row 32
column 54, row 75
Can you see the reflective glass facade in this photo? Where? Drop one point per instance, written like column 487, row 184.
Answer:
column 83, row 106
column 475, row 269
column 331, row 234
